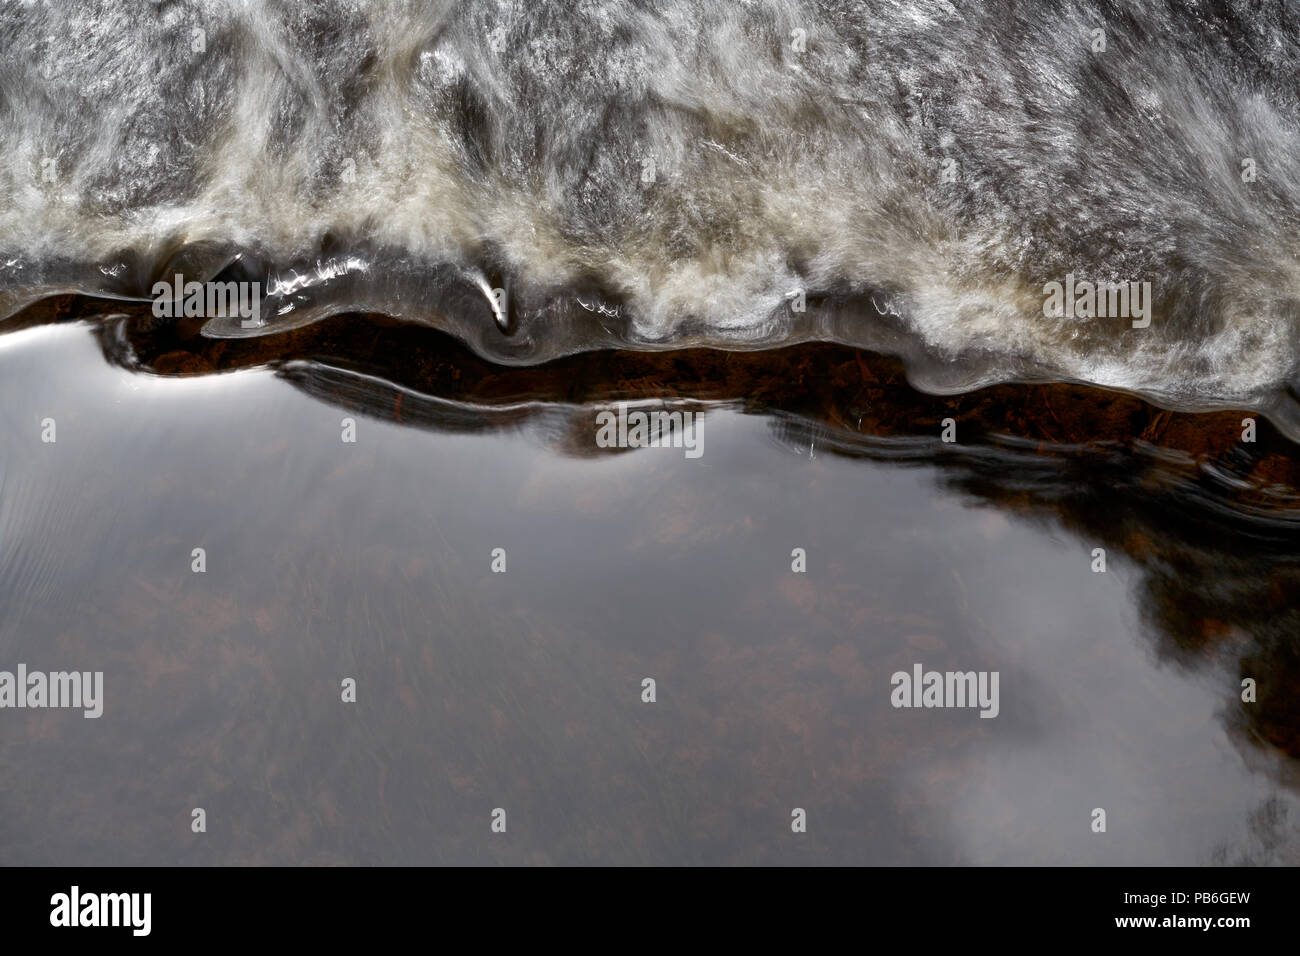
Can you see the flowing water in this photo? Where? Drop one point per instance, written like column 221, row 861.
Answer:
column 822, row 228
column 677, row 172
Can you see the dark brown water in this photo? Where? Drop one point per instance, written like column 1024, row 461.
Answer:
column 478, row 690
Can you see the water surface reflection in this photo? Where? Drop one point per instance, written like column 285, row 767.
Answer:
column 522, row 690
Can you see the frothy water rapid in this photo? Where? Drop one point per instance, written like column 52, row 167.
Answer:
column 542, row 178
